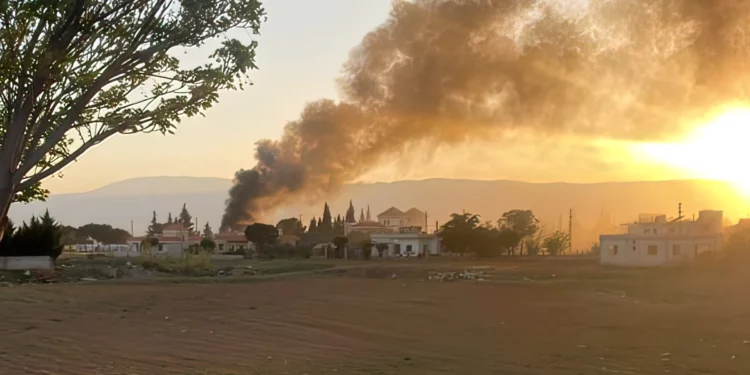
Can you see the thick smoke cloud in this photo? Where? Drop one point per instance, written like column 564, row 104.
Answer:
column 446, row 71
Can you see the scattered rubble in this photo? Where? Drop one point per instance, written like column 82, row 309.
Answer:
column 456, row 276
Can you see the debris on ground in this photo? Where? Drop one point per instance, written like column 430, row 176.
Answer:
column 456, row 276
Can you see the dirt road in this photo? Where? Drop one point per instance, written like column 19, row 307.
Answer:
column 334, row 325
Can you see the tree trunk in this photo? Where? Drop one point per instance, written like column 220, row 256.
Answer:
column 6, row 198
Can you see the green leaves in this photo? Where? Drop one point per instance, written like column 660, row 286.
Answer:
column 76, row 72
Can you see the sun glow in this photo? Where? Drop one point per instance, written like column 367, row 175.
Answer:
column 719, row 150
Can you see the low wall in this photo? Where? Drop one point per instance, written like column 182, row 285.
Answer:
column 26, row 263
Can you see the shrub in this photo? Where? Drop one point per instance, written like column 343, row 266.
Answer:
column 208, row 244
column 194, row 265
column 41, row 237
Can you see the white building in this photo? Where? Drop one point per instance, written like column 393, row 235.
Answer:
column 654, row 241
column 173, row 241
column 408, row 241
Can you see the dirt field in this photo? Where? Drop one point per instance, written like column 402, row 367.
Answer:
column 529, row 317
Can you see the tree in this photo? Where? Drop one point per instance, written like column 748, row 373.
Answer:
column 340, row 243
column 169, row 218
column 557, row 243
column 185, row 219
column 320, row 225
column 327, row 224
column 291, row 226
column 350, row 213
column 458, row 233
column 358, row 239
column 207, row 231
column 261, row 234
column 155, row 227
column 367, row 249
column 103, row 233
column 74, row 73
column 208, row 244
column 338, row 225
column 313, row 226
column 508, row 240
column 40, row 237
column 382, row 248
column 69, row 234
column 522, row 222
column 362, row 216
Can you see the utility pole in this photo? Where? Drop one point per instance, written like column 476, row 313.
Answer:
column 132, row 234
column 425, row 223
column 570, row 231
column 679, row 210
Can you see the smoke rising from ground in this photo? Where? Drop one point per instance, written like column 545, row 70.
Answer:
column 443, row 72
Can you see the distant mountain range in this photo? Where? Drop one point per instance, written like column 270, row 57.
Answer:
column 119, row 203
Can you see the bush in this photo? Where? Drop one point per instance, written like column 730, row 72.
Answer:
column 208, row 244
column 194, row 265
column 41, row 237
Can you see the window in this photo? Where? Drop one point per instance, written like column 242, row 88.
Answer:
column 676, row 250
column 409, row 248
column 647, row 230
column 221, row 247
column 653, row 250
column 613, row 249
column 397, row 249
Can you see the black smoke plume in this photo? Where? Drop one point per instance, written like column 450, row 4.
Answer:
column 446, row 71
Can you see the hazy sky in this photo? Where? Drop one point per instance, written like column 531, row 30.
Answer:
column 302, row 48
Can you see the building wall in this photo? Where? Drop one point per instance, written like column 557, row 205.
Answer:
column 394, row 221
column 635, row 251
column 399, row 244
column 27, row 263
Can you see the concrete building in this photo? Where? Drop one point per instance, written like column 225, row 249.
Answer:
column 230, row 241
column 407, row 241
column 173, row 241
column 653, row 240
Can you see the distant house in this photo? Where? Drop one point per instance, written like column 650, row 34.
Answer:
column 174, row 240
column 653, row 240
column 230, row 241
column 402, row 233
column 408, row 241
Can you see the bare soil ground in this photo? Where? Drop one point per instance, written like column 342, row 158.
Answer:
column 529, row 317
